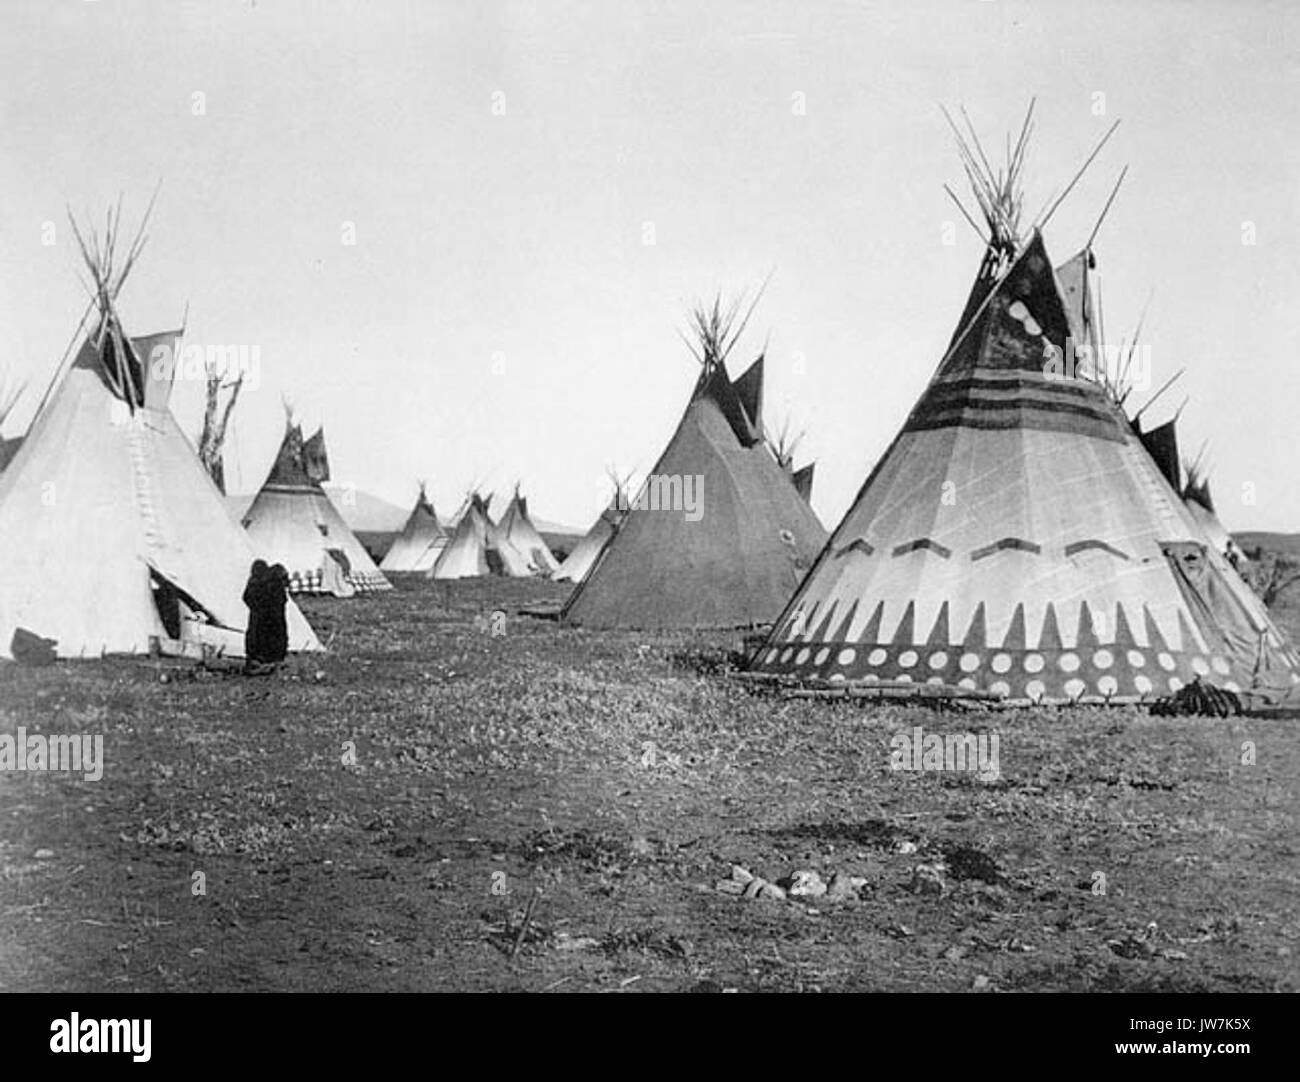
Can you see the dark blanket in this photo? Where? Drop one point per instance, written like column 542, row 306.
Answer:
column 266, row 595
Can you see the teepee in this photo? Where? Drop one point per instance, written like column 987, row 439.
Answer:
column 783, row 446
column 291, row 521
column 1017, row 538
column 465, row 555
column 1200, row 505
column 422, row 539
column 579, row 561
column 717, row 535
column 522, row 548
column 114, row 539
column 8, row 444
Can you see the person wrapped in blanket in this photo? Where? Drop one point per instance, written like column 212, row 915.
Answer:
column 266, row 642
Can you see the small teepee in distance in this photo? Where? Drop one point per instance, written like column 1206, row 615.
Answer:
column 422, row 539
column 465, row 555
column 114, row 539
column 291, row 521
column 1017, row 539
column 8, row 444
column 579, row 561
column 515, row 532
column 1200, row 505
column 717, row 536
column 783, row 447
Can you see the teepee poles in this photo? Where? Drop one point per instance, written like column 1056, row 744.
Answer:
column 1077, row 176
column 1102, row 216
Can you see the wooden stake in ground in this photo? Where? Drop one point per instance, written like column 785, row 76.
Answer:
column 528, row 919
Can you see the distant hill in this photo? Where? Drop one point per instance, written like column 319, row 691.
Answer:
column 1273, row 542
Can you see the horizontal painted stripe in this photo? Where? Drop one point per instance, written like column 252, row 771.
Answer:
column 1025, row 399
column 1083, row 546
column 1006, row 543
column 1014, row 382
column 923, row 543
column 1040, row 420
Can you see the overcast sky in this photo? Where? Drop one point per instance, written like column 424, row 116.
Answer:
column 538, row 191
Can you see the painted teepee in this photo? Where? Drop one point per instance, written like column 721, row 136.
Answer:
column 1017, row 537
column 291, row 521
column 579, row 561
column 521, row 545
column 717, row 536
column 113, row 538
column 421, row 541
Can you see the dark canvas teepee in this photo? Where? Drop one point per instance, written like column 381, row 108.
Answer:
column 1017, row 537
column 735, row 560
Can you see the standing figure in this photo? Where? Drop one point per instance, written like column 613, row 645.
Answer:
column 277, row 627
column 258, row 598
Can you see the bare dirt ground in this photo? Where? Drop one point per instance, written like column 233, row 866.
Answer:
column 615, row 778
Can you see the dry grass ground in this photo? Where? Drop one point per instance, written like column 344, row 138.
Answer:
column 618, row 777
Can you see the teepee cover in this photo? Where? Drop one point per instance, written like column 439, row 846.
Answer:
column 1018, row 538
column 114, row 539
column 735, row 560
column 522, row 547
column 292, row 521
column 422, row 538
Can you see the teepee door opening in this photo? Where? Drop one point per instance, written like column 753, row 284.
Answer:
column 1212, row 603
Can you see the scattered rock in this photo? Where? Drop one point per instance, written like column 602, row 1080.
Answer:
column 906, row 848
column 928, row 879
column 741, row 875
column 982, row 984
column 806, row 884
column 772, row 891
column 562, row 941
column 841, row 889
column 730, row 886
column 44, row 854
column 955, row 953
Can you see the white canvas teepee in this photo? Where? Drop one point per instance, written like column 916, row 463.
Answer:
column 113, row 540
column 291, row 521
column 1017, row 538
column 421, row 541
column 579, row 561
column 8, row 444
column 522, row 548
column 466, row 553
